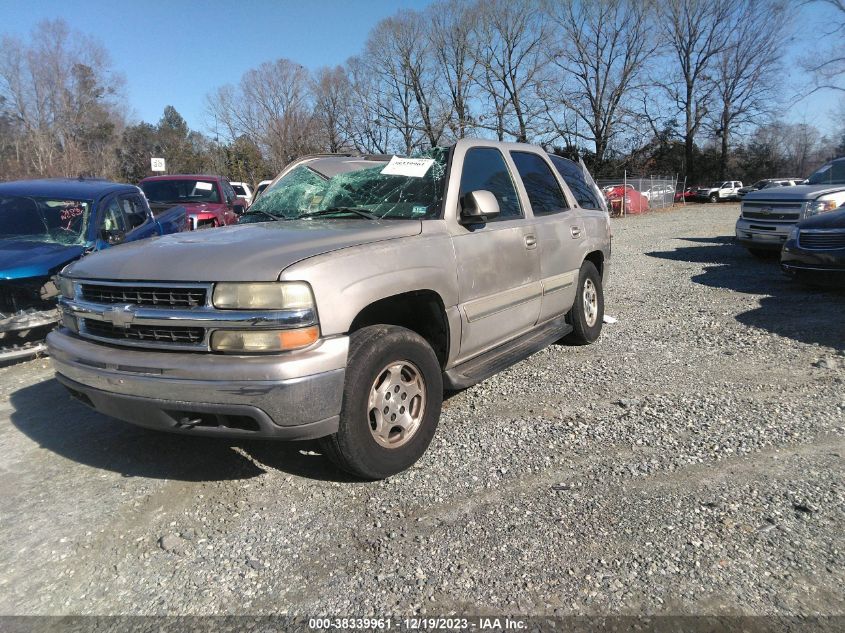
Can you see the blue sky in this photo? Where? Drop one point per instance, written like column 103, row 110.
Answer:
column 175, row 52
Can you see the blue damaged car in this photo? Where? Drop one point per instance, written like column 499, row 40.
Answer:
column 45, row 225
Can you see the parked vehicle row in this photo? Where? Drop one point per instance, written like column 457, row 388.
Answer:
column 367, row 285
column 802, row 222
column 46, row 224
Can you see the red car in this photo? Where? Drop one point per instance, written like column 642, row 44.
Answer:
column 687, row 194
column 209, row 200
column 635, row 202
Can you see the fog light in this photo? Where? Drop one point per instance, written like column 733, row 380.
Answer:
column 263, row 340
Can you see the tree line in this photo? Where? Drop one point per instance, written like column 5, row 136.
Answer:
column 688, row 87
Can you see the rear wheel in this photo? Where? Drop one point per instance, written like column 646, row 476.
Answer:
column 391, row 403
column 587, row 314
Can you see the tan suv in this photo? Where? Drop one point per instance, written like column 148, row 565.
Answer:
column 355, row 290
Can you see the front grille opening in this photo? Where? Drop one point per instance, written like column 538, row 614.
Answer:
column 821, row 241
column 195, row 419
column 164, row 297
column 177, row 335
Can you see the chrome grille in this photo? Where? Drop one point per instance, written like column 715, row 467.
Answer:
column 143, row 295
column 773, row 211
column 176, row 335
column 821, row 240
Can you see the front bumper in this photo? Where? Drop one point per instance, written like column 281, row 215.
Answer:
column 755, row 234
column 823, row 267
column 287, row 396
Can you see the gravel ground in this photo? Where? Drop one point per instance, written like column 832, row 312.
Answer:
column 690, row 462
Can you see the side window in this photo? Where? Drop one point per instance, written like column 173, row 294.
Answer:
column 114, row 218
column 543, row 190
column 485, row 168
column 574, row 178
column 228, row 192
column 135, row 214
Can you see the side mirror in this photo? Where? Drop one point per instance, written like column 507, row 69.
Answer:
column 239, row 208
column 112, row 237
column 479, row 206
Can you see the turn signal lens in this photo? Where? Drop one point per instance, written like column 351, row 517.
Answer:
column 257, row 341
column 285, row 295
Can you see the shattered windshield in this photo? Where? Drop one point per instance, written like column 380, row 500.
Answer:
column 180, row 191
column 358, row 186
column 831, row 174
column 44, row 219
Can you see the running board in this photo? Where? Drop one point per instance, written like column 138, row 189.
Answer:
column 482, row 367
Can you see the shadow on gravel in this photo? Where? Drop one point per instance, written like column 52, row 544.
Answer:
column 49, row 416
column 790, row 309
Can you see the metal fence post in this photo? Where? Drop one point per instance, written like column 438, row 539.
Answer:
column 624, row 191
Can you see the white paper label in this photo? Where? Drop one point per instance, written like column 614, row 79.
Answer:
column 412, row 167
column 204, row 186
column 157, row 164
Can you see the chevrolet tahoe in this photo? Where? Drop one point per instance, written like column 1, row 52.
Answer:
column 361, row 288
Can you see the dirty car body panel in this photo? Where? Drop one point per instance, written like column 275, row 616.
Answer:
column 489, row 282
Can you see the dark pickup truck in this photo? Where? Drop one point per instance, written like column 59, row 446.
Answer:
column 45, row 225
column 210, row 201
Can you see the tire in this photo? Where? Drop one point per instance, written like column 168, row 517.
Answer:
column 586, row 315
column 714, row 197
column 380, row 355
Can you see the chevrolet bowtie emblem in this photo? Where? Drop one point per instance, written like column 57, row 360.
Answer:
column 766, row 210
column 121, row 316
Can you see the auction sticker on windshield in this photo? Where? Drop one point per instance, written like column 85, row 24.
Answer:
column 412, row 167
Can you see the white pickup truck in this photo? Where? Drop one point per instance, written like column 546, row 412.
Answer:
column 720, row 191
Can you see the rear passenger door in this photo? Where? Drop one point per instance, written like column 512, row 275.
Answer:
column 559, row 230
column 498, row 262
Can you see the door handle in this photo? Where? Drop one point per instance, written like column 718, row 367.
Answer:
column 576, row 232
column 530, row 241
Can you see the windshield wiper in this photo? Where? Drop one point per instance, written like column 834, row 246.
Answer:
column 272, row 216
column 363, row 213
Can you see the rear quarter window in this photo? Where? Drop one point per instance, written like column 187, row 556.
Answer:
column 574, row 178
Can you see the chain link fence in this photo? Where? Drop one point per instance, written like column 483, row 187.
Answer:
column 630, row 195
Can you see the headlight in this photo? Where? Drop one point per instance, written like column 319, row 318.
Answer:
column 285, row 295
column 822, row 205
column 66, row 287
column 239, row 341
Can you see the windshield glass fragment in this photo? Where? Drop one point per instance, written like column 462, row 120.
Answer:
column 356, row 187
column 44, row 219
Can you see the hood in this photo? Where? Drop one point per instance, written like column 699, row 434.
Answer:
column 20, row 259
column 243, row 252
column 831, row 220
column 798, row 192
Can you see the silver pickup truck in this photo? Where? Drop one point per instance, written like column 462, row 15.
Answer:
column 355, row 291
column 768, row 216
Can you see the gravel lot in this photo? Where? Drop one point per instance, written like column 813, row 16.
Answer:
column 691, row 461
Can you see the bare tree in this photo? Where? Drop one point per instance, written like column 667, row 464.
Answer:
column 450, row 37
column 746, row 70
column 270, row 106
column 601, row 50
column 511, row 53
column 696, row 31
column 827, row 64
column 61, row 101
column 332, row 91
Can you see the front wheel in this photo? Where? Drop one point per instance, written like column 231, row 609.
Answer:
column 714, row 197
column 587, row 315
column 391, row 403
